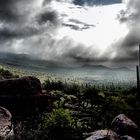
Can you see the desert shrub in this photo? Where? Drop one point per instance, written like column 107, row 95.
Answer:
column 51, row 126
column 6, row 74
column 57, row 125
column 53, row 85
column 98, row 103
column 115, row 105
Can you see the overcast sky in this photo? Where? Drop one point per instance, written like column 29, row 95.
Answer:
column 72, row 32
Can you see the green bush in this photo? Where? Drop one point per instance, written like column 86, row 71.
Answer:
column 6, row 74
column 57, row 125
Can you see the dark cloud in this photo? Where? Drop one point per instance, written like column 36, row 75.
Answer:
column 126, row 51
column 46, row 16
column 128, row 17
column 14, row 10
column 20, row 19
column 46, row 2
column 77, row 25
column 132, row 39
column 80, row 22
column 84, row 55
column 26, row 23
column 131, row 15
column 74, row 27
column 7, row 10
column 130, row 57
column 37, row 27
column 85, row 25
column 127, row 47
column 8, row 33
column 96, row 2
column 125, row 56
column 122, row 16
column 89, row 60
column 133, row 10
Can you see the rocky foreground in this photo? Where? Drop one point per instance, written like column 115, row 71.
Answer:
column 23, row 96
column 122, row 128
column 20, row 98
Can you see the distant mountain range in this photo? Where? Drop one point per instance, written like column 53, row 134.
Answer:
column 25, row 61
column 88, row 73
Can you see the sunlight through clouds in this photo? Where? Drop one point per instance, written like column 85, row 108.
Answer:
column 106, row 28
column 60, row 30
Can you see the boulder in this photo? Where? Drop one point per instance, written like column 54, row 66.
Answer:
column 122, row 125
column 6, row 127
column 28, row 85
column 126, row 138
column 103, row 135
column 24, row 97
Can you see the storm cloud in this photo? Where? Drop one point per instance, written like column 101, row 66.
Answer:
column 61, row 31
column 77, row 25
column 127, row 47
column 8, row 11
column 96, row 2
column 48, row 16
column 15, row 10
column 22, row 19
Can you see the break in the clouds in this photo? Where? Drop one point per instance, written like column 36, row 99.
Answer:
column 72, row 31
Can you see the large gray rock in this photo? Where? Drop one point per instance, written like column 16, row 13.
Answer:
column 122, row 125
column 103, row 135
column 6, row 127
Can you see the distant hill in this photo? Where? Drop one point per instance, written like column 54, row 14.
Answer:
column 105, row 68
column 85, row 72
column 24, row 60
